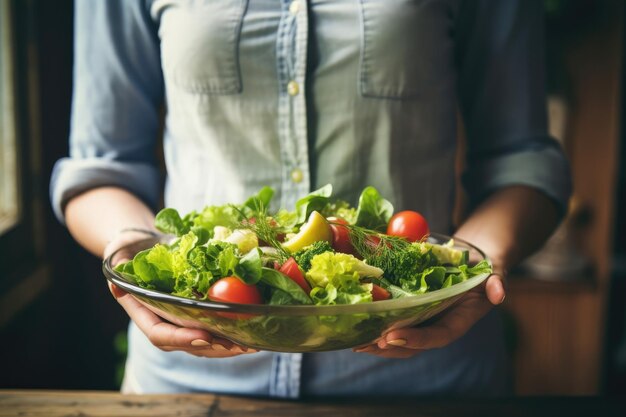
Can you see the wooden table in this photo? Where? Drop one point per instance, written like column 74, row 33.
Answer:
column 89, row 403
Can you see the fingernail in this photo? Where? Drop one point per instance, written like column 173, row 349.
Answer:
column 502, row 300
column 250, row 350
column 217, row 346
column 199, row 342
column 397, row 342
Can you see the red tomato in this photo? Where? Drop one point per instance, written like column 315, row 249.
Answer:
column 379, row 293
column 373, row 242
column 408, row 224
column 234, row 290
column 292, row 270
column 341, row 235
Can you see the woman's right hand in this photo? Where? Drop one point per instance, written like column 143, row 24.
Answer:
column 162, row 334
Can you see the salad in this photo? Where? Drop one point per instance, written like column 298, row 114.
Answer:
column 323, row 252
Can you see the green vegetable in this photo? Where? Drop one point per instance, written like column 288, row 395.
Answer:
column 373, row 211
column 315, row 201
column 227, row 216
column 447, row 254
column 329, row 266
column 250, row 267
column 258, row 203
column 275, row 279
column 340, row 208
column 168, row 221
column 407, row 262
column 345, row 289
column 303, row 257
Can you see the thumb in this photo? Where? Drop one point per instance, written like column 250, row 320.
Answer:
column 494, row 288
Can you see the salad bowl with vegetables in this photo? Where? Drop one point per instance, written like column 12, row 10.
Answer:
column 324, row 276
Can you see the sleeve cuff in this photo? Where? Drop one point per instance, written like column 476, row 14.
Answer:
column 545, row 169
column 71, row 177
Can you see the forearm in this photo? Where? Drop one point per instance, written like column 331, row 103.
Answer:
column 96, row 216
column 510, row 224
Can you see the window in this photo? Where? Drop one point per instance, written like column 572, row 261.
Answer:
column 9, row 184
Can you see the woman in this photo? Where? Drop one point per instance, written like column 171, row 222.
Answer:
column 296, row 95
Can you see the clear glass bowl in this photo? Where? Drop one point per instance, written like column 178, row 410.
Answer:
column 295, row 328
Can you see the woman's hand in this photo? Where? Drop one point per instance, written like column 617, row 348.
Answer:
column 500, row 227
column 454, row 323
column 162, row 334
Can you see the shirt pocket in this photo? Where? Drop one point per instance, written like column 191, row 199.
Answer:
column 200, row 45
column 407, row 47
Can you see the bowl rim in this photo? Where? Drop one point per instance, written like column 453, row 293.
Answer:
column 266, row 309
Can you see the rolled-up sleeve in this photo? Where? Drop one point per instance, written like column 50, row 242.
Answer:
column 117, row 93
column 503, row 102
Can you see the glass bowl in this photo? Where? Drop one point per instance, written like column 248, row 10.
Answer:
column 295, row 328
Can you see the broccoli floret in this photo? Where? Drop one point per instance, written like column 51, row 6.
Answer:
column 406, row 263
column 303, row 256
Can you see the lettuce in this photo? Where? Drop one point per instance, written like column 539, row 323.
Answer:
column 315, row 201
column 373, row 211
column 286, row 286
column 327, row 266
column 336, row 279
column 211, row 216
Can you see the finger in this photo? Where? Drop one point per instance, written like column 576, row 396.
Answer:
column 116, row 291
column 395, row 353
column 208, row 352
column 365, row 349
column 451, row 326
column 494, row 288
column 159, row 332
column 167, row 336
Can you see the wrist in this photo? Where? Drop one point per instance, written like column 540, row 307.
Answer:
column 126, row 236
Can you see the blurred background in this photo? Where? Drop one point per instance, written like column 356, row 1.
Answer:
column 565, row 311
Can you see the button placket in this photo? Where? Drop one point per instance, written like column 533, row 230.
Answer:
column 291, row 54
column 291, row 51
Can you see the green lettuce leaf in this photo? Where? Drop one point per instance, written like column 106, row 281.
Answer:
column 258, row 204
column 168, row 221
column 315, row 201
column 249, row 268
column 373, row 211
column 275, row 279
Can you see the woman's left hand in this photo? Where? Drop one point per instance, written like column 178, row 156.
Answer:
column 454, row 323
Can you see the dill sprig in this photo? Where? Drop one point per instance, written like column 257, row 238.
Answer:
column 370, row 244
column 262, row 226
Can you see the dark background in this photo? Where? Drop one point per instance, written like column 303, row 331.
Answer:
column 65, row 337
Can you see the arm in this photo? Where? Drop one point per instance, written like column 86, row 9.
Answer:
column 510, row 225
column 110, row 181
column 96, row 217
column 517, row 177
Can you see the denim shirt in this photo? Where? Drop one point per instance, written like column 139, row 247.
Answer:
column 297, row 94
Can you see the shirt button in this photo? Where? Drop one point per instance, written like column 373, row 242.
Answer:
column 294, row 7
column 293, row 88
column 297, row 176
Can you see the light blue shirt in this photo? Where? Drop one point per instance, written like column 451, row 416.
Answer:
column 297, row 94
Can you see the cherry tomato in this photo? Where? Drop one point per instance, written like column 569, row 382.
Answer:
column 379, row 293
column 341, row 235
column 293, row 271
column 373, row 242
column 234, row 290
column 408, row 224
